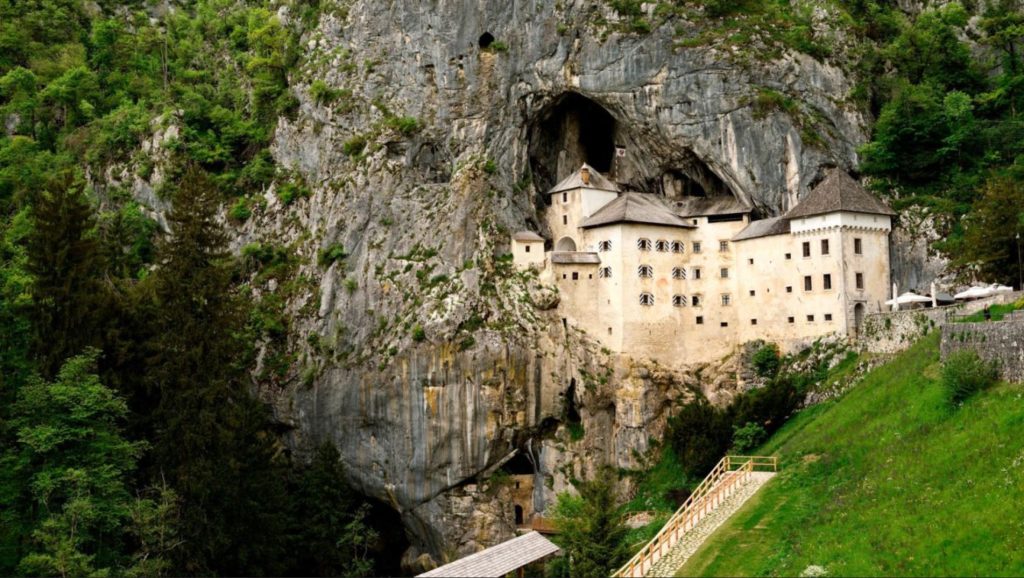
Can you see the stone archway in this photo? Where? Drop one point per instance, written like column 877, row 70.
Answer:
column 565, row 244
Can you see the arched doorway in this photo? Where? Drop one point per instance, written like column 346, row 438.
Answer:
column 858, row 318
column 519, row 515
column 565, row 244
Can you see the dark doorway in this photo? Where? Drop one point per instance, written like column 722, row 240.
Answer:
column 572, row 130
column 858, row 318
column 519, row 515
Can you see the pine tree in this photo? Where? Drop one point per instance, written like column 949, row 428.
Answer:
column 591, row 530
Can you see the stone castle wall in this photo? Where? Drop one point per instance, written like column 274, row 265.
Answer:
column 1000, row 341
column 893, row 331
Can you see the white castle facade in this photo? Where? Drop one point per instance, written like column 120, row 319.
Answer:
column 687, row 281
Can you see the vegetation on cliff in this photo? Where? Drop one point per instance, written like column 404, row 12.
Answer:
column 890, row 479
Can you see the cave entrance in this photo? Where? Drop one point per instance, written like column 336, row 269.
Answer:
column 519, row 465
column 572, row 413
column 570, row 131
column 692, row 177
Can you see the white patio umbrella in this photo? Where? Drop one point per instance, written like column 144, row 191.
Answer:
column 909, row 298
column 1001, row 288
column 975, row 293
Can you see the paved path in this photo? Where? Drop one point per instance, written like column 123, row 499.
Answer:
column 688, row 544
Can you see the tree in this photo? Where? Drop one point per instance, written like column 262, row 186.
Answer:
column 65, row 480
column 990, row 245
column 699, row 434
column 591, row 531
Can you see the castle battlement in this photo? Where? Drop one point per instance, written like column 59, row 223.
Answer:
column 687, row 281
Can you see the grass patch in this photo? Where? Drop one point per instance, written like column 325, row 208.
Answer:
column 997, row 312
column 887, row 480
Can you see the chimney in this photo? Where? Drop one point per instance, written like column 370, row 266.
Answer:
column 585, row 175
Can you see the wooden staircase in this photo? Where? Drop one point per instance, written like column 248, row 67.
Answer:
column 730, row 474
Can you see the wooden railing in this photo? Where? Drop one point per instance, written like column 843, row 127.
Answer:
column 727, row 475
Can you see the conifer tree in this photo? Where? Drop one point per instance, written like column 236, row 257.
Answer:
column 591, row 530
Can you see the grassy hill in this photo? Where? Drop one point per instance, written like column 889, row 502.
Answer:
column 888, row 480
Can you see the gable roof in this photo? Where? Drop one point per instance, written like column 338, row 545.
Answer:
column 763, row 228
column 499, row 560
column 704, row 206
column 838, row 192
column 636, row 208
column 575, row 181
column 527, row 237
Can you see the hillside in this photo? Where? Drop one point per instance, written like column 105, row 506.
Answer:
column 888, row 480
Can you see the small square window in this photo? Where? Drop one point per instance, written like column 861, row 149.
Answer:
column 753, row 321
column 725, row 272
column 575, row 276
column 810, row 319
column 695, row 300
column 527, row 248
column 828, row 317
column 789, row 256
column 791, row 319
column 808, row 284
column 723, row 246
column 695, row 221
column 726, row 299
column 700, row 320
column 789, row 288
column 724, row 324
column 696, row 246
column 696, row 272
column 807, row 248
column 590, row 275
column 827, row 280
column 750, row 261
column 824, row 246
column 752, row 292
column 858, row 249
column 609, row 331
column 564, row 276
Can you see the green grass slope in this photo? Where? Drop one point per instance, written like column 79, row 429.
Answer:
column 888, row 480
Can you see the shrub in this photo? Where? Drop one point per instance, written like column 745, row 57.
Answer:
column 240, row 211
column 354, row 146
column 418, row 334
column 964, row 373
column 330, row 254
column 576, row 431
column 289, row 192
column 769, row 406
column 351, row 285
column 699, row 434
column 766, row 360
column 321, row 92
column 747, row 437
column 407, row 125
column 490, row 167
column 498, row 46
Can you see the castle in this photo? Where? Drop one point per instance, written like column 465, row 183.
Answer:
column 687, row 281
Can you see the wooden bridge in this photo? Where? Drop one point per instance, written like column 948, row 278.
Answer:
column 727, row 477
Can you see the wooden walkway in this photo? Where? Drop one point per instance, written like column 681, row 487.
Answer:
column 722, row 489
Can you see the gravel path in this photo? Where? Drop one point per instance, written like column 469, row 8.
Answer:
column 688, row 544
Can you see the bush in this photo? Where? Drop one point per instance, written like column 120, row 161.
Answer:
column 747, row 437
column 770, row 406
column 700, row 434
column 240, row 211
column 407, row 125
column 354, row 146
column 418, row 333
column 321, row 93
column 289, row 192
column 330, row 254
column 964, row 373
column 766, row 361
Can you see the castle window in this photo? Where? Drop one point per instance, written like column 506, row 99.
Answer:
column 604, row 272
column 575, row 276
column 678, row 273
column 791, row 319
column 857, row 248
column 527, row 248
column 789, row 256
column 645, row 271
column 789, row 288
column 695, row 221
column 678, row 247
column 807, row 248
column 565, row 197
column 646, row 299
column 827, row 280
column 750, row 261
column 661, row 246
column 828, row 317
column 810, row 319
column 643, row 244
column 696, row 272
column 695, row 300
column 752, row 292
column 724, row 273
column 753, row 321
column 726, row 299
column 700, row 320
column 565, row 219
column 807, row 283
column 724, row 324
column 723, row 246
column 679, row 300
column 696, row 246
column 824, row 246
column 604, row 246
column 859, row 279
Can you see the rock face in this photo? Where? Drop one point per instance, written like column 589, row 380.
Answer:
column 421, row 354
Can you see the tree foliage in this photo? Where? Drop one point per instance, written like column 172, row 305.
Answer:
column 590, row 526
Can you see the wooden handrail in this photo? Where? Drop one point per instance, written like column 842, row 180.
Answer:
column 716, row 486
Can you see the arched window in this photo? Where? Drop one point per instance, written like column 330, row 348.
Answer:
column 646, row 299
column 678, row 247
column 661, row 245
column 604, row 272
column 645, row 271
column 643, row 244
column 604, row 246
column 678, row 272
column 679, row 300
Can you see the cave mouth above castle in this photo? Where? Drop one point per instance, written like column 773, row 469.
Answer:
column 570, row 131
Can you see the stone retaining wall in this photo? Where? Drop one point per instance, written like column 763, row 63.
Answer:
column 893, row 331
column 1000, row 341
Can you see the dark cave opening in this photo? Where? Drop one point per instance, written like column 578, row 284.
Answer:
column 486, row 39
column 572, row 130
column 391, row 538
column 691, row 177
column 519, row 465
column 572, row 412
